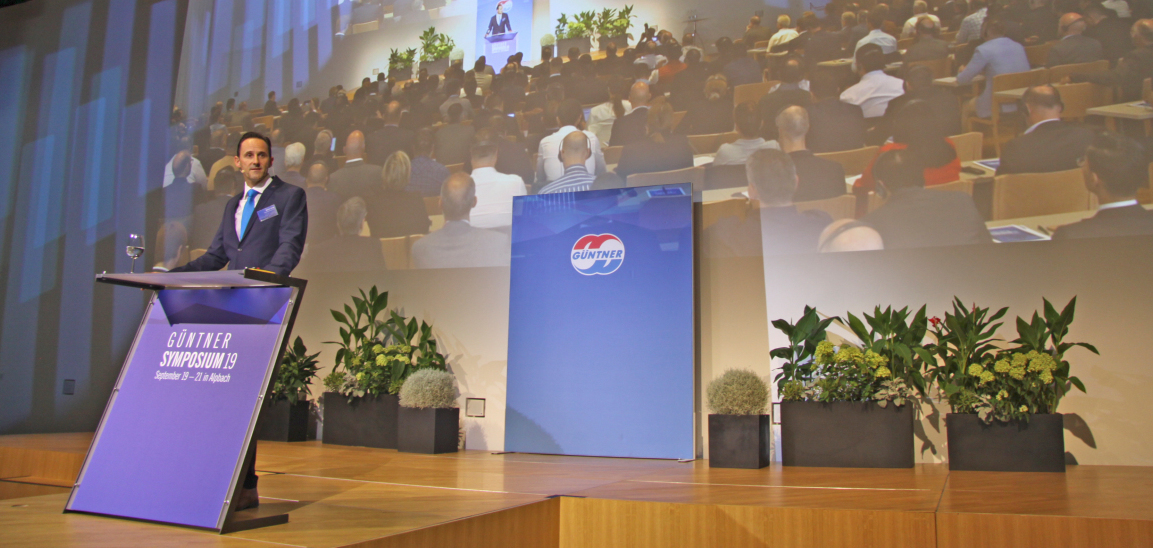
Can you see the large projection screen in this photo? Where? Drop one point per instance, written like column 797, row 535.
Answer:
column 601, row 357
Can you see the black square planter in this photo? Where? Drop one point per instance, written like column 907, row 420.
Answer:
column 739, row 441
column 1014, row 446
column 369, row 421
column 428, row 431
column 282, row 421
column 847, row 434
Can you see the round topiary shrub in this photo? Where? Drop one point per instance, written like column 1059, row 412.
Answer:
column 429, row 388
column 738, row 392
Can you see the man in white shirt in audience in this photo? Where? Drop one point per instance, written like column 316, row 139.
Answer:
column 877, row 35
column 572, row 118
column 748, row 119
column 785, row 33
column 459, row 244
column 876, row 88
column 494, row 190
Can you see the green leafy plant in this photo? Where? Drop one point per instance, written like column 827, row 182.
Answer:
column 435, row 46
column 803, row 336
column 610, row 22
column 580, row 26
column 847, row 373
column 738, row 392
column 401, row 60
column 898, row 338
column 429, row 389
column 296, row 372
column 966, row 336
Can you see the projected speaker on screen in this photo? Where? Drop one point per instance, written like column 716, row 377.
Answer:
column 499, row 27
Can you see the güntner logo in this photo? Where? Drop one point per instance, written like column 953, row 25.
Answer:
column 598, row 254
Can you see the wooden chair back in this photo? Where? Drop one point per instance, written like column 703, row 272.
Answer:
column 949, row 37
column 854, row 161
column 365, row 27
column 969, row 145
column 712, row 212
column 841, row 207
column 677, row 117
column 1038, row 54
column 1081, row 97
column 432, row 206
column 752, row 92
column 704, row 144
column 942, row 68
column 1058, row 73
column 1033, row 194
column 694, row 175
column 965, row 186
column 612, row 155
column 397, row 252
column 455, row 168
column 905, row 43
column 725, row 177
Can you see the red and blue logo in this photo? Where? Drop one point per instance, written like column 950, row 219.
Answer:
column 598, row 254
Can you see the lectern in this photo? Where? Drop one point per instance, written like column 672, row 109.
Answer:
column 173, row 442
column 500, row 44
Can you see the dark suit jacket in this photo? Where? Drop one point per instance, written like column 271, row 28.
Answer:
column 926, row 49
column 773, row 103
column 771, row 231
column 1113, row 34
column 822, row 46
column 271, row 109
column 835, row 126
column 1122, row 221
column 322, row 207
column 1052, row 146
column 273, row 244
column 943, row 102
column 206, row 221
column 916, row 217
column 499, row 27
column 453, row 143
column 344, row 254
column 646, row 156
column 706, row 117
column 358, row 178
column 394, row 213
column 758, row 33
column 819, row 178
column 630, row 128
column 387, row 140
column 1073, row 49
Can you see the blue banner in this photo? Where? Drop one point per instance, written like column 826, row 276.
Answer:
column 601, row 358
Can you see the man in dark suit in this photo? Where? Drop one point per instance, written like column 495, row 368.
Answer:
column 632, row 127
column 1049, row 144
column 453, row 140
column 263, row 227
column 206, row 217
column 1132, row 69
column 1115, row 169
column 919, row 87
column 928, row 46
column 270, row 108
column 356, row 177
column 914, row 216
column 818, row 178
column 1108, row 29
column 322, row 203
column 755, row 32
column 777, row 228
column 1074, row 47
column 499, row 23
column 215, row 152
column 789, row 93
column 390, row 138
column 834, row 126
column 349, row 251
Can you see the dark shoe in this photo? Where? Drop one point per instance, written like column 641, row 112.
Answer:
column 248, row 499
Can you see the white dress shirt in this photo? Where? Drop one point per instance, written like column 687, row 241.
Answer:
column 881, row 38
column 196, row 176
column 549, row 165
column 910, row 28
column 874, row 92
column 1121, row 7
column 1115, row 205
column 737, row 152
column 244, row 200
column 494, row 193
column 782, row 36
column 602, row 117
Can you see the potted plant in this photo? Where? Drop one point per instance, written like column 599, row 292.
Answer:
column 835, row 400
column 429, row 417
column 739, row 429
column 286, row 415
column 434, row 51
column 400, row 64
column 576, row 32
column 613, row 26
column 1004, row 400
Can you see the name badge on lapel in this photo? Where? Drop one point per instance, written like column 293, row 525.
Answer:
column 267, row 213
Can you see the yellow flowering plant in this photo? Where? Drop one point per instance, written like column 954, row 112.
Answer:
column 846, row 373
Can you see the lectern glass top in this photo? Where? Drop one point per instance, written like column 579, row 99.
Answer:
column 196, row 280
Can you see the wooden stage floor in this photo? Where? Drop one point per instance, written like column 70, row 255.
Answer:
column 348, row 496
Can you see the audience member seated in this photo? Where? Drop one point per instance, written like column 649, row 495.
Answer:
column 392, row 210
column 748, row 118
column 997, row 55
column 877, row 37
column 322, row 150
column 920, row 12
column 356, row 177
column 454, row 139
column 822, row 45
column 322, row 203
column 575, row 152
column 494, row 190
column 928, row 46
column 849, row 235
column 853, row 28
column 713, row 113
column 390, row 138
column 602, row 116
column 876, row 88
column 818, row 178
column 928, row 143
column 195, row 173
column 206, row 216
column 916, row 217
column 514, row 158
column 662, row 150
column 1074, row 47
column 919, row 86
column 184, row 191
column 777, row 228
column 173, row 238
column 788, row 93
column 452, row 91
column 460, row 244
column 785, row 32
column 970, row 27
column 755, row 32
column 349, row 251
column 549, row 164
column 1111, row 31
column 833, row 126
column 270, row 108
column 743, row 69
column 216, row 152
column 630, row 128
column 1049, row 144
column 293, row 161
column 427, row 174
column 1115, row 169
column 688, row 87
column 1130, row 72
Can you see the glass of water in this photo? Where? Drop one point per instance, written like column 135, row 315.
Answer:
column 135, row 249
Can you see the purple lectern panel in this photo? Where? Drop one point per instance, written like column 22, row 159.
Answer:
column 170, row 444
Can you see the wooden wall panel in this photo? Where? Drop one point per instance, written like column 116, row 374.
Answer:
column 1020, row 531
column 533, row 525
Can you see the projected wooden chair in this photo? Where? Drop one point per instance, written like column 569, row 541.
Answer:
column 365, row 27
column 841, row 207
column 904, row 43
column 1038, row 54
column 704, row 144
column 949, row 37
column 432, row 206
column 677, row 117
column 725, row 177
column 942, row 68
column 1078, row 98
column 853, row 161
column 1058, row 73
column 1005, row 82
column 752, row 92
column 455, row 168
column 970, row 146
column 713, row 212
column 397, row 252
column 266, row 121
column 694, row 175
column 1034, row 194
column 612, row 155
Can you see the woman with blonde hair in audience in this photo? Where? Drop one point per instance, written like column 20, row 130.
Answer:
column 392, row 210
column 662, row 150
column 713, row 114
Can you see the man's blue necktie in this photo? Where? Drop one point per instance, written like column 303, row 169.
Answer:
column 249, row 205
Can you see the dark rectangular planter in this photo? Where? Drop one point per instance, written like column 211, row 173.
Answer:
column 282, row 421
column 366, row 422
column 739, row 441
column 621, row 41
column 400, row 74
column 1014, row 446
column 428, row 431
column 585, row 45
column 435, row 67
column 847, row 434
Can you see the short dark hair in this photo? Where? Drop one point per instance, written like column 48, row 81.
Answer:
column 569, row 112
column 1119, row 162
column 878, row 15
column 455, row 111
column 748, row 118
column 870, row 57
column 793, row 71
column 898, row 169
column 253, row 135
